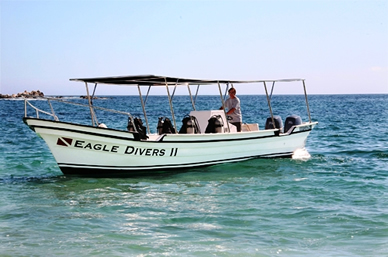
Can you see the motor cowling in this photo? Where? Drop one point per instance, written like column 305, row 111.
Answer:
column 291, row 121
column 269, row 124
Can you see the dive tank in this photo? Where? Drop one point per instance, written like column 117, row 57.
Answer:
column 190, row 126
column 218, row 124
column 160, row 126
column 130, row 126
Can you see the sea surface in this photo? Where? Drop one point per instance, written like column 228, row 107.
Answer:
column 333, row 203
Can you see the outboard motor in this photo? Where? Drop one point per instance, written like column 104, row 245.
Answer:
column 292, row 120
column 215, row 124
column 278, row 123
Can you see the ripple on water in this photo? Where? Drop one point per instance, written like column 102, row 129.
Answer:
column 332, row 203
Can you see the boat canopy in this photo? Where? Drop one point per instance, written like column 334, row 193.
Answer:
column 153, row 80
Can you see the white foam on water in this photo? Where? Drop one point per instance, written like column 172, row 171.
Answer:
column 301, row 154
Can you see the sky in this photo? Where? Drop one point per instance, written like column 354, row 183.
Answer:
column 338, row 46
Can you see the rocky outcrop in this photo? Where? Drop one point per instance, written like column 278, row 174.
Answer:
column 25, row 94
column 86, row 97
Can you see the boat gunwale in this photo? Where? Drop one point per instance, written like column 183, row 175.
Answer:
column 163, row 136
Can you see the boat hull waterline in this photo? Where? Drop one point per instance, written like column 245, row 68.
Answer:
column 86, row 150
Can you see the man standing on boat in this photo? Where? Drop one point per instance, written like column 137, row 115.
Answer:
column 232, row 104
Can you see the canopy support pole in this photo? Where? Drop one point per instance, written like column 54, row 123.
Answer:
column 272, row 88
column 191, row 96
column 307, row 102
column 226, row 91
column 144, row 111
column 173, row 93
column 269, row 104
column 148, row 92
column 92, row 114
column 223, row 104
column 171, row 107
column 196, row 94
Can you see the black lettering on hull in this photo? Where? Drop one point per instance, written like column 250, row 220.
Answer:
column 130, row 150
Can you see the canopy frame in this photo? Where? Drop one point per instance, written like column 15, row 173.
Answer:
column 164, row 81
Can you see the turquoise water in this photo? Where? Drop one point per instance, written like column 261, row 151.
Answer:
column 333, row 204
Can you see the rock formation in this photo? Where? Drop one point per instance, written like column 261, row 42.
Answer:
column 25, row 94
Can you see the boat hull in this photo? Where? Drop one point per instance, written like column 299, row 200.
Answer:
column 93, row 151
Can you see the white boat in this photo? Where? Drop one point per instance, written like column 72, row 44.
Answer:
column 95, row 150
